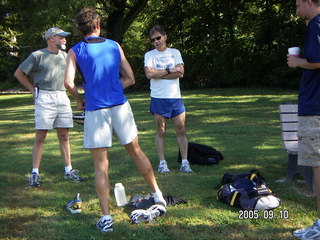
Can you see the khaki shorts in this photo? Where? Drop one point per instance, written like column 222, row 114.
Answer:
column 52, row 110
column 309, row 141
column 100, row 125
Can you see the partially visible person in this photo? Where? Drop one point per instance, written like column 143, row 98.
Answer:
column 164, row 66
column 106, row 72
column 46, row 68
column 309, row 103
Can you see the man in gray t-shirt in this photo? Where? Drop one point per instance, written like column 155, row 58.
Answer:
column 46, row 69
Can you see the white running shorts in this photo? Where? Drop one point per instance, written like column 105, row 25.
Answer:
column 52, row 110
column 100, row 125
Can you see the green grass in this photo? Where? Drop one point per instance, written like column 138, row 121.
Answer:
column 241, row 123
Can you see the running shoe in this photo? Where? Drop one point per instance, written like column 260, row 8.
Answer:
column 74, row 205
column 140, row 215
column 186, row 168
column 34, row 180
column 149, row 215
column 73, row 175
column 156, row 210
column 105, row 225
column 312, row 232
column 163, row 168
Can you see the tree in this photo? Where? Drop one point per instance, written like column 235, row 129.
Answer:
column 8, row 44
column 122, row 16
column 230, row 43
column 223, row 43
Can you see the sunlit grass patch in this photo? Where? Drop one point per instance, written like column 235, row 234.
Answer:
column 241, row 123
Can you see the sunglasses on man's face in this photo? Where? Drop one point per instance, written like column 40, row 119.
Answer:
column 156, row 38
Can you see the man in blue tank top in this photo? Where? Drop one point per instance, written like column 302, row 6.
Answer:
column 309, row 103
column 106, row 72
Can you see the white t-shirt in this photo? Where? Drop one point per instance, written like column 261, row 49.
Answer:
column 164, row 88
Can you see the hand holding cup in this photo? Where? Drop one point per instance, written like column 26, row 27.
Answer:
column 293, row 57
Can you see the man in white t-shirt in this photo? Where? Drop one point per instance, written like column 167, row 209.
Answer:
column 164, row 66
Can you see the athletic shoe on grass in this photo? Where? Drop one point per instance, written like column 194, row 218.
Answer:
column 156, row 210
column 312, row 232
column 163, row 168
column 73, row 175
column 105, row 224
column 74, row 205
column 186, row 168
column 149, row 215
column 34, row 179
column 140, row 215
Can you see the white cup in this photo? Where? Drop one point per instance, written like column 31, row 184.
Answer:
column 294, row 51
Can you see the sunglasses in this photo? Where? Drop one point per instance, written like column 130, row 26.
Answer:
column 156, row 38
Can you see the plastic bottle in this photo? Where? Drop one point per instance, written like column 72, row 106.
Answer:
column 120, row 195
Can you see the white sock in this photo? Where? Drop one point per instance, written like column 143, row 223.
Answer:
column 184, row 162
column 67, row 169
column 158, row 198
column 106, row 217
column 35, row 170
column 162, row 162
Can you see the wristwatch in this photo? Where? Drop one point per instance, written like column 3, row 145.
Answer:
column 168, row 70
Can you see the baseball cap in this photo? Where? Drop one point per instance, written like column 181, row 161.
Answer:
column 55, row 31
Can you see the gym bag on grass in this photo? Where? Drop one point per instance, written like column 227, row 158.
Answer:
column 247, row 191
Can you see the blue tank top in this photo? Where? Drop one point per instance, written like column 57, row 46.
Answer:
column 99, row 62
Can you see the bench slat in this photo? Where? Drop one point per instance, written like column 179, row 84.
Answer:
column 288, row 108
column 289, row 127
column 289, row 136
column 292, row 117
column 291, row 145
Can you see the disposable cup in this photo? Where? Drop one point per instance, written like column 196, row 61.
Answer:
column 294, row 51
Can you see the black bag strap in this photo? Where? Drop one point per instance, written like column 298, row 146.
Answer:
column 253, row 175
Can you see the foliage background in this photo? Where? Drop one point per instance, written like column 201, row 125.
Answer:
column 224, row 43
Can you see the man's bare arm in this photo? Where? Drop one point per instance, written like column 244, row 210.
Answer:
column 69, row 79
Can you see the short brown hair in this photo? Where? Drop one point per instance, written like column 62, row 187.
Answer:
column 87, row 20
column 315, row 2
column 157, row 28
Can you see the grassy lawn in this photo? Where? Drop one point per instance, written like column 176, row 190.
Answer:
column 241, row 123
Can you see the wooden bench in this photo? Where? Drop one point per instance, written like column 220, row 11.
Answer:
column 289, row 128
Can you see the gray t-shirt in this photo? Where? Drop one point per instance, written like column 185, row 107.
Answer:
column 46, row 69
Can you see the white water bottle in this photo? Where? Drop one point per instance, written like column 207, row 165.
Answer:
column 120, row 195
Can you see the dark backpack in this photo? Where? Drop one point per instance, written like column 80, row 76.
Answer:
column 247, row 191
column 201, row 154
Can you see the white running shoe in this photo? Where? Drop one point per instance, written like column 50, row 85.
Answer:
column 163, row 167
column 74, row 205
column 140, row 215
column 34, row 180
column 157, row 210
column 73, row 175
column 312, row 232
column 149, row 215
column 186, row 168
column 105, row 225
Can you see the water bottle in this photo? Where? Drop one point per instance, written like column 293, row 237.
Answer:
column 120, row 195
